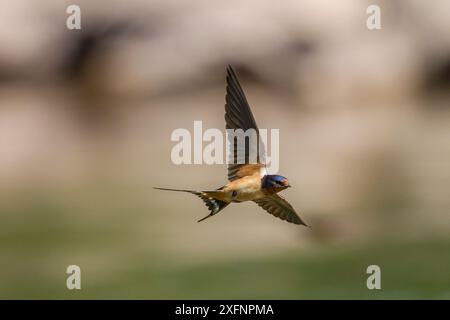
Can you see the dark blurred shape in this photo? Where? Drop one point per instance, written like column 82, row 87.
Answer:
column 437, row 76
column 86, row 46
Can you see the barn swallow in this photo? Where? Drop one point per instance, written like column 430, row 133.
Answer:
column 248, row 181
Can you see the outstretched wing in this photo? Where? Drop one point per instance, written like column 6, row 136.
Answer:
column 244, row 158
column 279, row 207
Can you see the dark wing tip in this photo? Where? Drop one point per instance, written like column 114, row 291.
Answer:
column 280, row 208
column 231, row 73
column 297, row 220
column 302, row 223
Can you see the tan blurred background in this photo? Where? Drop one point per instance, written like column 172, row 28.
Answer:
column 85, row 123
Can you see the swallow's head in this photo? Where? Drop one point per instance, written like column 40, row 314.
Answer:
column 276, row 182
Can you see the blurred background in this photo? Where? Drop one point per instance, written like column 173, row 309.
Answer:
column 85, row 123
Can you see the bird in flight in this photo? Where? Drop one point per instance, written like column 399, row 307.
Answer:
column 248, row 180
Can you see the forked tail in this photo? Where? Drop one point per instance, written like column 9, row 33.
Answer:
column 214, row 205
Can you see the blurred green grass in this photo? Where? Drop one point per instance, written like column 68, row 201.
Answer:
column 409, row 271
column 39, row 240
